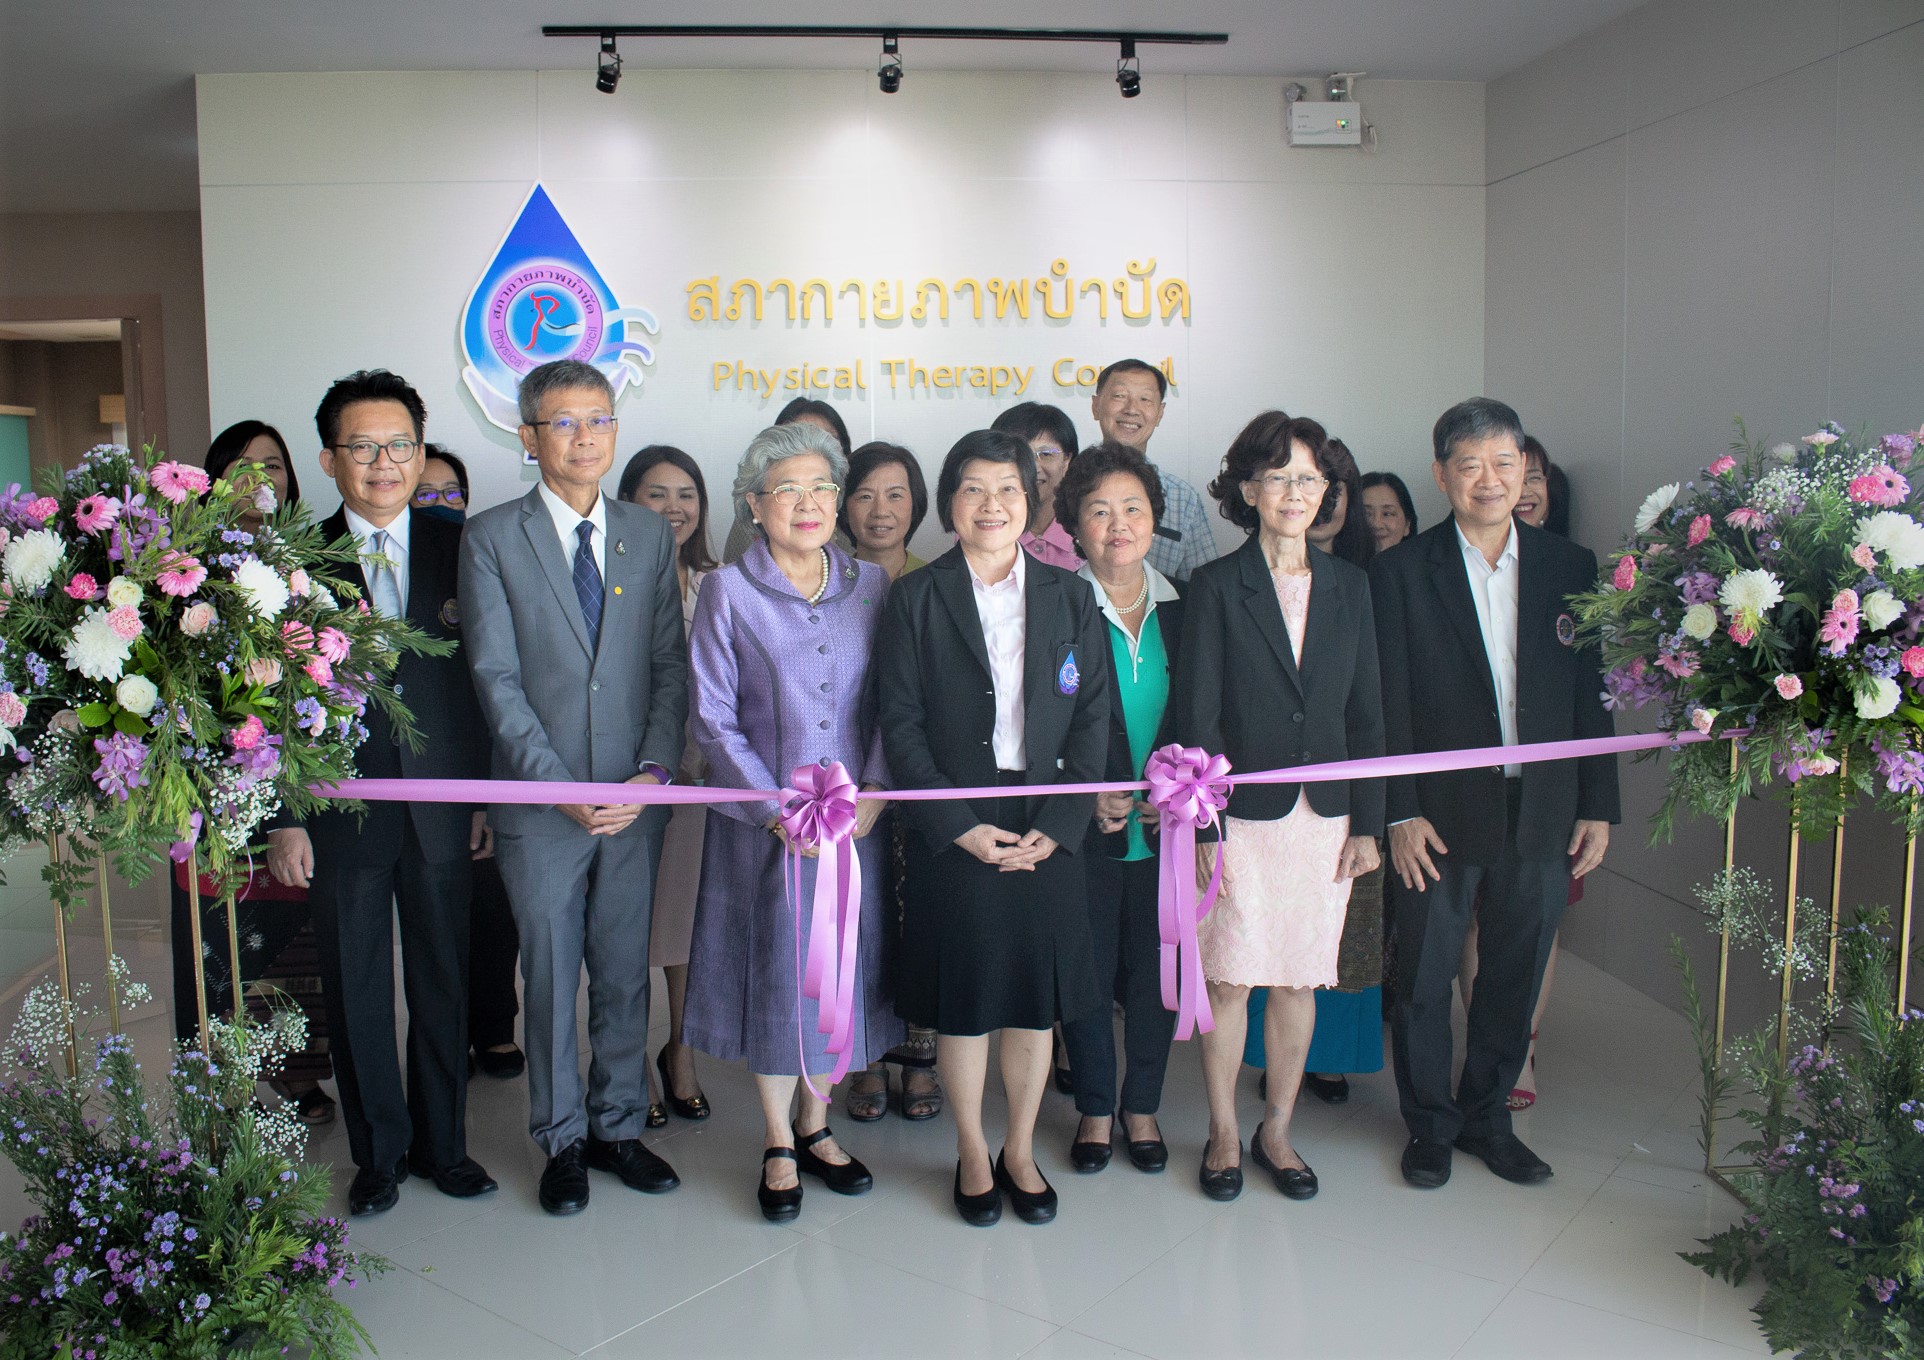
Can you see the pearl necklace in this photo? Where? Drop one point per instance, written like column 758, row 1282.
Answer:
column 822, row 589
column 1141, row 599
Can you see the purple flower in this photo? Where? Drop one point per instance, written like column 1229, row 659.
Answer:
column 259, row 762
column 121, row 760
column 181, row 850
column 1902, row 771
column 1697, row 587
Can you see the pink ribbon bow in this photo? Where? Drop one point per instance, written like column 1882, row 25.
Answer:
column 818, row 813
column 1190, row 788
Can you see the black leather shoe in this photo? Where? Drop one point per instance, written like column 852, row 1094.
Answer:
column 695, row 1107
column 1036, row 1207
column 978, row 1211
column 850, row 1178
column 778, row 1206
column 462, row 1180
column 500, row 1065
column 1222, row 1185
column 375, row 1190
column 1330, row 1090
column 1426, row 1163
column 638, row 1168
column 1506, row 1156
column 564, row 1182
column 1149, row 1155
column 1089, row 1158
column 1294, row 1183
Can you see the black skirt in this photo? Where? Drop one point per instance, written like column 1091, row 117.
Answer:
column 985, row 950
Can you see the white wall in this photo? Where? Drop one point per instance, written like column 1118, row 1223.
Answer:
column 346, row 217
column 1708, row 208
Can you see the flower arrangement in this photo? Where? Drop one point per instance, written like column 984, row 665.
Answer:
column 169, row 676
column 1783, row 594
column 191, row 1229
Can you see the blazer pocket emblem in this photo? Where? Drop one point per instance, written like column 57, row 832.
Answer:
column 451, row 614
column 1566, row 630
column 1068, row 678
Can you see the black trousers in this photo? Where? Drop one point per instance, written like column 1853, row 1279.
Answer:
column 493, row 946
column 1128, row 949
column 1521, row 907
column 355, row 903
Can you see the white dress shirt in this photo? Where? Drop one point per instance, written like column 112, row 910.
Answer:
column 565, row 519
column 1494, row 590
column 397, row 549
column 1002, row 608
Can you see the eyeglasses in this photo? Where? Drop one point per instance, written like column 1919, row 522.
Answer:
column 975, row 495
column 366, row 450
column 565, row 426
column 791, row 493
column 1277, row 484
column 452, row 496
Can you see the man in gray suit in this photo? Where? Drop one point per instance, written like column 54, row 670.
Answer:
column 573, row 631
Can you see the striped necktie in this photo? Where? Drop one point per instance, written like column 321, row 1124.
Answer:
column 588, row 582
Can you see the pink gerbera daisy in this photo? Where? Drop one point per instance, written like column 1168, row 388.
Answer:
column 95, row 513
column 1743, row 517
column 1882, row 485
column 334, row 645
column 180, row 574
column 178, row 481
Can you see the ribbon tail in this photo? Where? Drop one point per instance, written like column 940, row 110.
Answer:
column 849, row 890
column 1178, row 853
column 792, row 884
column 818, row 975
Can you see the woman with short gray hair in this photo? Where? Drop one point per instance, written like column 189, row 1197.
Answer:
column 781, row 677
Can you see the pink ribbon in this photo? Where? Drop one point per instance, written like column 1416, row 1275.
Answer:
column 818, row 813
column 1189, row 787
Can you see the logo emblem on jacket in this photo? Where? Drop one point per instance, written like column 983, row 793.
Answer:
column 1566, row 630
column 1068, row 678
column 451, row 614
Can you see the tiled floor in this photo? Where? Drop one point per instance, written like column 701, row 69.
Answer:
column 1135, row 1266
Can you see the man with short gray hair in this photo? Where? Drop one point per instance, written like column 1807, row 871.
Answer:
column 574, row 636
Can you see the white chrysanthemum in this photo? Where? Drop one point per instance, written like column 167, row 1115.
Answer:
column 1891, row 532
column 1881, row 610
column 95, row 649
column 262, row 586
column 1879, row 700
column 31, row 558
column 1654, row 505
column 1699, row 621
column 1749, row 594
column 136, row 694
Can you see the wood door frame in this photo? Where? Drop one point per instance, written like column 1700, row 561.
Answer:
column 142, row 361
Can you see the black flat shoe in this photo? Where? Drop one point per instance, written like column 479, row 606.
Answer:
column 1506, row 1156
column 638, row 1168
column 1330, row 1090
column 461, row 1180
column 1037, row 1207
column 1088, row 1157
column 375, row 1190
column 695, row 1107
column 564, row 1182
column 1426, row 1163
column 978, row 1211
column 778, row 1206
column 1294, row 1183
column 501, row 1066
column 656, row 1117
column 850, row 1178
column 1222, row 1185
column 1149, row 1155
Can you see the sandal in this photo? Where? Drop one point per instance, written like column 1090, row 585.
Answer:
column 923, row 1103
column 867, row 1098
column 1523, row 1097
column 313, row 1106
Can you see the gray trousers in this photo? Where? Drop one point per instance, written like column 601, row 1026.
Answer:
column 581, row 899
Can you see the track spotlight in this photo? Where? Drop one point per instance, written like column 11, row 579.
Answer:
column 608, row 69
column 1128, row 73
column 889, row 73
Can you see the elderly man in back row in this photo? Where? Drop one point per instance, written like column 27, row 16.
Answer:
column 574, row 635
column 1128, row 406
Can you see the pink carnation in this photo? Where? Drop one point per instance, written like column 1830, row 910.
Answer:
column 83, row 586
column 1882, row 485
column 263, row 671
column 334, row 645
column 1743, row 517
column 297, row 636
column 1741, row 635
column 1699, row 531
column 13, row 709
column 1840, row 623
column 95, row 513
column 1913, row 662
column 1703, row 719
column 1822, row 439
column 1625, row 575
column 297, row 582
column 125, row 621
column 178, row 481
column 1864, row 555
column 1721, row 466
column 1791, row 686
column 197, row 618
column 42, row 510
column 318, row 670
column 180, row 575
column 248, row 735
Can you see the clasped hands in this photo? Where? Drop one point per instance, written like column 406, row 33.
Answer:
column 1113, row 809
column 1005, row 849
column 606, row 819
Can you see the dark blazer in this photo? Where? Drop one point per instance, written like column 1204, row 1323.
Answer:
column 440, row 695
column 1169, row 616
column 1438, row 693
column 1240, row 693
column 938, row 701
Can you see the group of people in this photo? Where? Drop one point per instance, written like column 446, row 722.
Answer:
column 1081, row 619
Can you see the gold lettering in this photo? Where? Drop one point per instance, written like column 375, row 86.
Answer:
column 704, row 298
column 1059, row 270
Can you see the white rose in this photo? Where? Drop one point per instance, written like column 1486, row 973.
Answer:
column 1700, row 621
column 1881, row 610
column 1654, row 505
column 1879, row 701
column 136, row 694
column 31, row 558
column 123, row 590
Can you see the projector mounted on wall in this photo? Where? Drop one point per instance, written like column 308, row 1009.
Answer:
column 1335, row 120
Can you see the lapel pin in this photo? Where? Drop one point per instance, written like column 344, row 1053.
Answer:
column 621, row 548
column 617, row 590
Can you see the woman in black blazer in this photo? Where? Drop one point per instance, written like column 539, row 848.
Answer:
column 994, row 670
column 1278, row 668
column 1110, row 500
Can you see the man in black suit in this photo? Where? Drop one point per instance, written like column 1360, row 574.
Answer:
column 1478, row 648
column 357, row 868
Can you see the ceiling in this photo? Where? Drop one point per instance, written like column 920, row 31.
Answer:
column 97, row 98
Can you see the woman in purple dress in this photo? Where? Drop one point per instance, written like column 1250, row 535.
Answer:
column 780, row 659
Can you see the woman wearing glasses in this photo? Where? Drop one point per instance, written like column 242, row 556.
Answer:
column 780, row 675
column 994, row 674
column 1278, row 668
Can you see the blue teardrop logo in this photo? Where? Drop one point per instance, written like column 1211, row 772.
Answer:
column 541, row 298
column 1069, row 679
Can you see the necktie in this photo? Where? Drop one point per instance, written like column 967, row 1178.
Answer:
column 588, row 582
column 382, row 586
